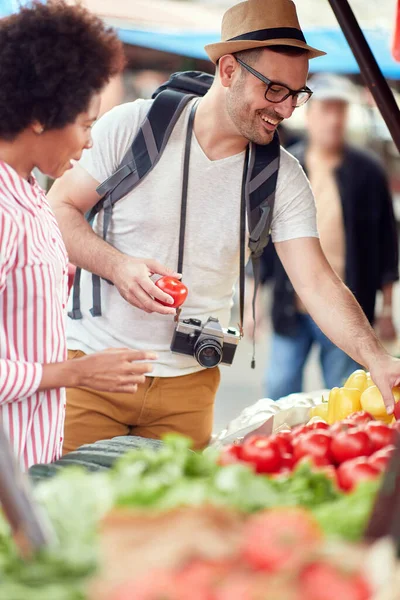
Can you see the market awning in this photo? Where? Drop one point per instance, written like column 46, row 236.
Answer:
column 184, row 28
column 339, row 57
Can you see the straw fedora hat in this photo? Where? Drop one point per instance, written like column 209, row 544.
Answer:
column 257, row 24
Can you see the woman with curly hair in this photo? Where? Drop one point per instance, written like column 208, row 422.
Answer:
column 54, row 61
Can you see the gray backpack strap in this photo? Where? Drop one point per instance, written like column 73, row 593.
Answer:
column 143, row 155
column 96, row 283
column 76, row 313
column 261, row 183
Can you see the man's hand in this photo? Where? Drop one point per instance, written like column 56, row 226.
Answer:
column 132, row 279
column 385, row 373
column 336, row 311
column 113, row 370
column 71, row 197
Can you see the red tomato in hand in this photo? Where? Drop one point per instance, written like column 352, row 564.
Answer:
column 381, row 435
column 352, row 472
column 350, row 444
column 315, row 445
column 263, row 452
column 360, row 417
column 174, row 288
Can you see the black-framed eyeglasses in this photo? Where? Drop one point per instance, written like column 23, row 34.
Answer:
column 276, row 92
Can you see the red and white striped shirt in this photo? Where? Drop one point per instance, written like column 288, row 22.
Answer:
column 33, row 296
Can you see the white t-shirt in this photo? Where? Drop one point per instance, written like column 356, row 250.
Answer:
column 145, row 223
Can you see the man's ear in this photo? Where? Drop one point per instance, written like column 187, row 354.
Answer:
column 226, row 68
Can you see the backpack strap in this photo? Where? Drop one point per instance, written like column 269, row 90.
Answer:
column 262, row 176
column 189, row 82
column 148, row 145
column 143, row 155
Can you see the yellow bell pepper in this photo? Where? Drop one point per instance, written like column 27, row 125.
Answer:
column 369, row 382
column 332, row 402
column 358, row 380
column 342, row 402
column 372, row 402
column 321, row 411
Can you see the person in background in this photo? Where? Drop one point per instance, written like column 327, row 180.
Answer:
column 54, row 61
column 358, row 235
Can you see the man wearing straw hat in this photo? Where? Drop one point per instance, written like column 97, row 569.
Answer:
column 261, row 77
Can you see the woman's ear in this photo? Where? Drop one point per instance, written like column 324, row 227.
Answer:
column 37, row 127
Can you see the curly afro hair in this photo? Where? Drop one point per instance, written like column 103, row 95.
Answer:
column 53, row 58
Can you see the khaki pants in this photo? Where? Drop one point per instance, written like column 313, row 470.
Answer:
column 161, row 405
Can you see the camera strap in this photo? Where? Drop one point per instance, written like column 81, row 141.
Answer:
column 242, row 259
column 185, row 184
column 182, row 227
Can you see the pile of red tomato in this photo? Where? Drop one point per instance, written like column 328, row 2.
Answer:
column 353, row 450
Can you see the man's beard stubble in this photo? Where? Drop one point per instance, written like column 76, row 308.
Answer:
column 246, row 121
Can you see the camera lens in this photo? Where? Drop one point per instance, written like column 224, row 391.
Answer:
column 208, row 353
